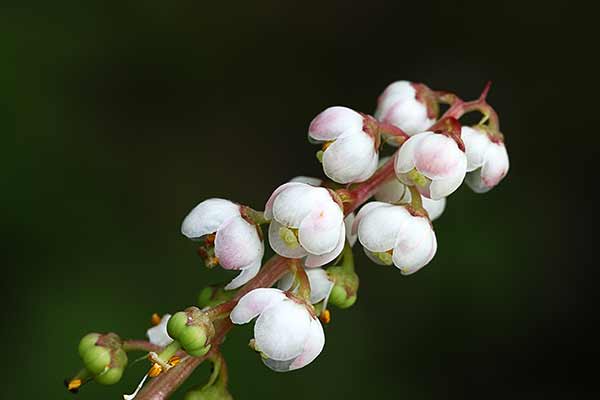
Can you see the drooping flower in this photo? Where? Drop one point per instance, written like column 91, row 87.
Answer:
column 286, row 333
column 400, row 105
column 306, row 222
column 433, row 162
column 350, row 150
column 158, row 334
column 348, row 220
column 228, row 238
column 319, row 281
column 487, row 159
column 391, row 234
column 396, row 192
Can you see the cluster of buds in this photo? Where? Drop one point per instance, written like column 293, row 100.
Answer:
column 312, row 228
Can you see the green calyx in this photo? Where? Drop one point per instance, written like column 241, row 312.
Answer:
column 215, row 392
column 417, row 177
column 193, row 329
column 212, row 296
column 103, row 357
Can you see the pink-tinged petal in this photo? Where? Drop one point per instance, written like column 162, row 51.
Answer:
column 279, row 246
column 158, row 334
column 312, row 347
column 309, row 180
column 348, row 222
column 208, row 216
column 378, row 230
column 445, row 187
column 393, row 191
column 405, row 161
column 409, row 115
column 320, row 285
column 269, row 205
column 244, row 276
column 254, row 303
column 495, row 166
column 237, row 244
column 320, row 230
column 281, row 330
column 293, row 204
column 413, row 247
column 394, row 93
column 313, row 261
column 364, row 210
column 333, row 122
column 434, row 208
column 347, row 159
column 474, row 181
column 438, row 156
column 476, row 145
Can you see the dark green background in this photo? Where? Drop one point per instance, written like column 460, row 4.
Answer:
column 117, row 119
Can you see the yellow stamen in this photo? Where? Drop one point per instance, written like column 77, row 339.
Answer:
column 155, row 319
column 325, row 316
column 326, row 145
column 173, row 361
column 155, row 370
column 74, row 384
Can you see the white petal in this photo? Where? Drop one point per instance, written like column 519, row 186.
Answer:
column 309, row 180
column 393, row 191
column 269, row 205
column 405, row 161
column 495, row 166
column 279, row 246
column 474, row 181
column 254, row 303
column 370, row 168
column 293, row 204
column 347, row 159
column 348, row 222
column 286, row 281
column 237, row 244
column 312, row 346
column 281, row 330
column 319, row 232
column 444, row 187
column 245, row 275
column 208, row 216
column 158, row 334
column 333, row 122
column 317, row 261
column 438, row 156
column 364, row 210
column 394, row 93
column 378, row 230
column 409, row 115
column 413, row 247
column 434, row 208
column 476, row 145
column 320, row 285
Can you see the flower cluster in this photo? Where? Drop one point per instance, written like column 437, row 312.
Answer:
column 312, row 228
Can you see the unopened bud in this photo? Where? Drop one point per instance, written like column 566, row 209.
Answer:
column 193, row 329
column 103, row 356
column 343, row 294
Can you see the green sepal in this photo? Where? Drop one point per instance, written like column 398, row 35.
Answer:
column 110, row 376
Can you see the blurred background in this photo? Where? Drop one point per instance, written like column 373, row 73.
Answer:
column 117, row 119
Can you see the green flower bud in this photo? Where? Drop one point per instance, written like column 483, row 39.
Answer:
column 214, row 392
column 343, row 293
column 103, row 357
column 193, row 329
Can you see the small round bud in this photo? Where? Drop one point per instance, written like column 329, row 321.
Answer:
column 110, row 377
column 343, row 294
column 96, row 359
column 193, row 329
column 87, row 342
